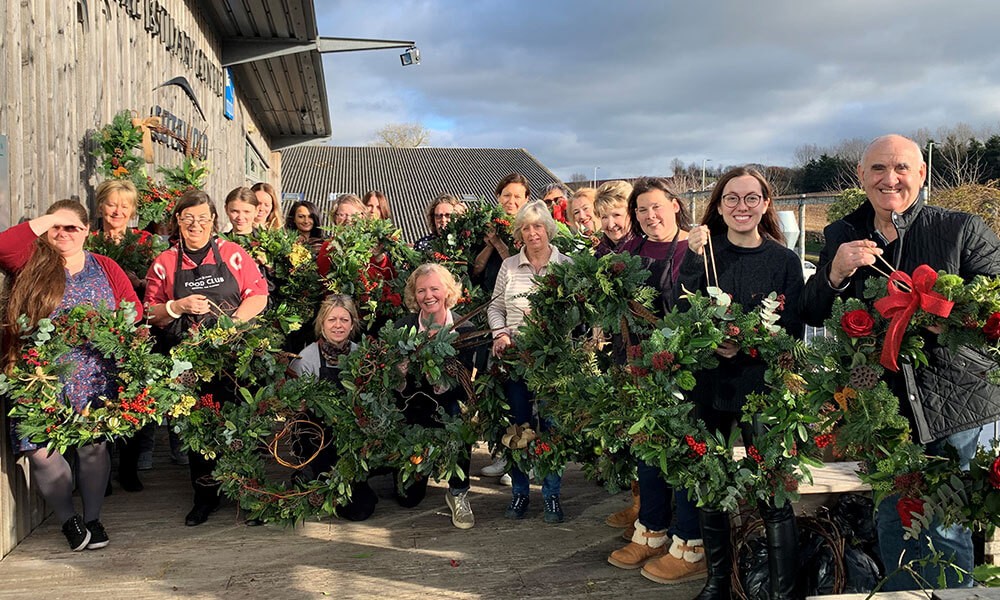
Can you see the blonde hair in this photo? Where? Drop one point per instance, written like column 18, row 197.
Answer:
column 450, row 284
column 590, row 194
column 124, row 188
column 337, row 301
column 273, row 220
column 611, row 195
column 534, row 212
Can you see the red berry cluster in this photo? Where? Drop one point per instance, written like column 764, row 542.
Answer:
column 697, row 448
column 542, row 448
column 824, row 439
column 207, row 402
column 32, row 358
column 634, row 352
column 754, row 454
column 638, row 371
column 732, row 330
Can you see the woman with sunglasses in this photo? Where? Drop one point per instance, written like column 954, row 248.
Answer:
column 50, row 273
column 747, row 252
column 188, row 284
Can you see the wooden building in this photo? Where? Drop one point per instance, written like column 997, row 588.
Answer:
column 209, row 70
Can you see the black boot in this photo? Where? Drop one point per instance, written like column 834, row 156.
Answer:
column 128, row 465
column 718, row 556
column 782, row 550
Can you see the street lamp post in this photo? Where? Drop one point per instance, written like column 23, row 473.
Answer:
column 703, row 161
column 930, row 165
column 595, row 175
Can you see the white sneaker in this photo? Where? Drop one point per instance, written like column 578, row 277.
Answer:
column 498, row 468
column 461, row 511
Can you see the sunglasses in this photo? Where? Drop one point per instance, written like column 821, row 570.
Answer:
column 68, row 228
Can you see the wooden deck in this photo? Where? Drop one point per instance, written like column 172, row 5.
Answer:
column 398, row 553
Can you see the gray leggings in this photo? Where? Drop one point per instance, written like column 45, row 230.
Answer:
column 53, row 477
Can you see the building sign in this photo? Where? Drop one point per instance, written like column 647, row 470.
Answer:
column 229, row 105
column 160, row 24
column 179, row 135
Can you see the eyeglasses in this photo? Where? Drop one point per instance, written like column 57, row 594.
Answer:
column 442, row 216
column 556, row 199
column 67, row 228
column 190, row 220
column 733, row 200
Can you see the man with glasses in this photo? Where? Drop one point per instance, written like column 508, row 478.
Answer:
column 439, row 213
column 555, row 198
column 945, row 403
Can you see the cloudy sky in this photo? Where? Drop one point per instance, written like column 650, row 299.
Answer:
column 627, row 85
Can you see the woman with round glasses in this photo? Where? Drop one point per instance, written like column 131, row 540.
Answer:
column 746, row 251
column 189, row 284
column 50, row 273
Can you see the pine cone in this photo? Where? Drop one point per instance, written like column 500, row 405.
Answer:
column 188, row 378
column 315, row 500
column 786, row 361
column 863, row 377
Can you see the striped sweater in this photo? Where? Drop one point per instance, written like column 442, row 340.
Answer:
column 510, row 297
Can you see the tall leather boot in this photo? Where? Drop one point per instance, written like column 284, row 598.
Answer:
column 782, row 550
column 718, row 555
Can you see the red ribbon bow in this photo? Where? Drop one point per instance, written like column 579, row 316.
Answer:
column 900, row 305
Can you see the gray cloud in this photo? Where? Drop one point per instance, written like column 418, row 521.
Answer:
column 628, row 86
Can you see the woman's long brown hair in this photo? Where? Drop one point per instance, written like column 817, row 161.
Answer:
column 769, row 227
column 37, row 289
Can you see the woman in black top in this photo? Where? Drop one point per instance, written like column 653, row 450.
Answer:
column 751, row 262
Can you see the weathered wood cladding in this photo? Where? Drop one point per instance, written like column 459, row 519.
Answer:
column 67, row 67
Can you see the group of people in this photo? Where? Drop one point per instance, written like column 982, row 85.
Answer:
column 670, row 539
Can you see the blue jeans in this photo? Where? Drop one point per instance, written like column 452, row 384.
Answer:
column 954, row 541
column 521, row 401
column 655, row 509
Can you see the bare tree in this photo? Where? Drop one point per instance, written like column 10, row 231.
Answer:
column 958, row 162
column 402, row 135
column 578, row 177
column 805, row 153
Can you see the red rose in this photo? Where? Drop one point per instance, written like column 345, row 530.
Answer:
column 992, row 327
column 907, row 507
column 857, row 323
column 995, row 473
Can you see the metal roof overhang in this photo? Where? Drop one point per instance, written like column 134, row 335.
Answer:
column 285, row 91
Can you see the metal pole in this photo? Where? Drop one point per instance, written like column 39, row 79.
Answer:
column 930, row 166
column 802, row 228
column 595, row 176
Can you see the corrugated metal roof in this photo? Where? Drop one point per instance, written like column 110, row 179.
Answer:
column 409, row 177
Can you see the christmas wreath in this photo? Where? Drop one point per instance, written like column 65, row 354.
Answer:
column 35, row 383
column 860, row 414
column 134, row 251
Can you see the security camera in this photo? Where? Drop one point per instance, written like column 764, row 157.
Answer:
column 410, row 57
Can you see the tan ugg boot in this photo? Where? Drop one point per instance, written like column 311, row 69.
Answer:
column 628, row 532
column 645, row 545
column 684, row 562
column 627, row 516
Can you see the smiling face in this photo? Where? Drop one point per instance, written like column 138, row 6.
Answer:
column 346, row 213
column 583, row 213
column 615, row 222
column 241, row 215
column 535, row 237
column 512, row 198
column 195, row 225
column 892, row 172
column 116, row 212
column 337, row 325
column 67, row 239
column 657, row 215
column 740, row 217
column 303, row 220
column 442, row 215
column 432, row 297
column 264, row 207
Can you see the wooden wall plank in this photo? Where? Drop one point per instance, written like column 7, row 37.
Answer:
column 60, row 81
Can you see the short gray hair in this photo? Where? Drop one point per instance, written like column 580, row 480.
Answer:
column 556, row 186
column 534, row 212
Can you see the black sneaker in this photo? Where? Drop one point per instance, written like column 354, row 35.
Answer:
column 76, row 533
column 98, row 537
column 553, row 510
column 517, row 508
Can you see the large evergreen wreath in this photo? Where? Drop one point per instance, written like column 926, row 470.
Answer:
column 36, row 381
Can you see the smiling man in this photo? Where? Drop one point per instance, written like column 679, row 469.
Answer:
column 945, row 404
